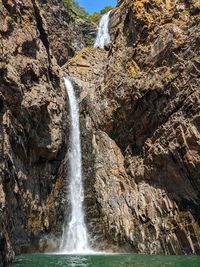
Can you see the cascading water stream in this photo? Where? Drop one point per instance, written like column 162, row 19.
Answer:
column 103, row 36
column 75, row 236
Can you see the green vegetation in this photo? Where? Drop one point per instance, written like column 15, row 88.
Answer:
column 74, row 10
column 73, row 7
column 95, row 17
column 106, row 10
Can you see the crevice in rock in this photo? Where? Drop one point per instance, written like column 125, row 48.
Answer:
column 9, row 5
column 43, row 37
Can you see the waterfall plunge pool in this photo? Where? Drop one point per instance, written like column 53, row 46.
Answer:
column 106, row 260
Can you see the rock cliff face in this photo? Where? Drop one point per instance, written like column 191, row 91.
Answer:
column 32, row 132
column 141, row 120
column 140, row 125
column 67, row 32
column 64, row 35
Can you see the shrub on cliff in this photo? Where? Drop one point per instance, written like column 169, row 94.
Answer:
column 73, row 6
column 95, row 17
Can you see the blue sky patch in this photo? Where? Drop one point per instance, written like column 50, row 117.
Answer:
column 92, row 6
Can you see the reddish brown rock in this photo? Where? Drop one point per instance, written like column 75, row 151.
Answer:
column 67, row 32
column 32, row 132
column 141, row 119
column 140, row 128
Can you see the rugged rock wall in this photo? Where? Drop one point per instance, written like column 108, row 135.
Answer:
column 34, row 121
column 141, row 123
column 32, row 130
column 67, row 32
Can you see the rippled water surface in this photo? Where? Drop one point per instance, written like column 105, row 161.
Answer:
column 124, row 260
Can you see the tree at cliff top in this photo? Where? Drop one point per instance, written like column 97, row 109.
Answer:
column 95, row 17
column 74, row 9
column 73, row 6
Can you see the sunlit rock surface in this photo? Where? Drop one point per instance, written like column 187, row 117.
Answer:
column 140, row 128
column 142, row 120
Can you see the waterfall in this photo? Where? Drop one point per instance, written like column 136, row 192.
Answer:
column 103, row 36
column 75, row 237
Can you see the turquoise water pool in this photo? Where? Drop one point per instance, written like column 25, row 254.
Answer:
column 124, row 260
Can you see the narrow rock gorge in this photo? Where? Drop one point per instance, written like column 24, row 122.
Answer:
column 140, row 126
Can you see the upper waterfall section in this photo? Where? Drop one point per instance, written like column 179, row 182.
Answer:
column 103, row 36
